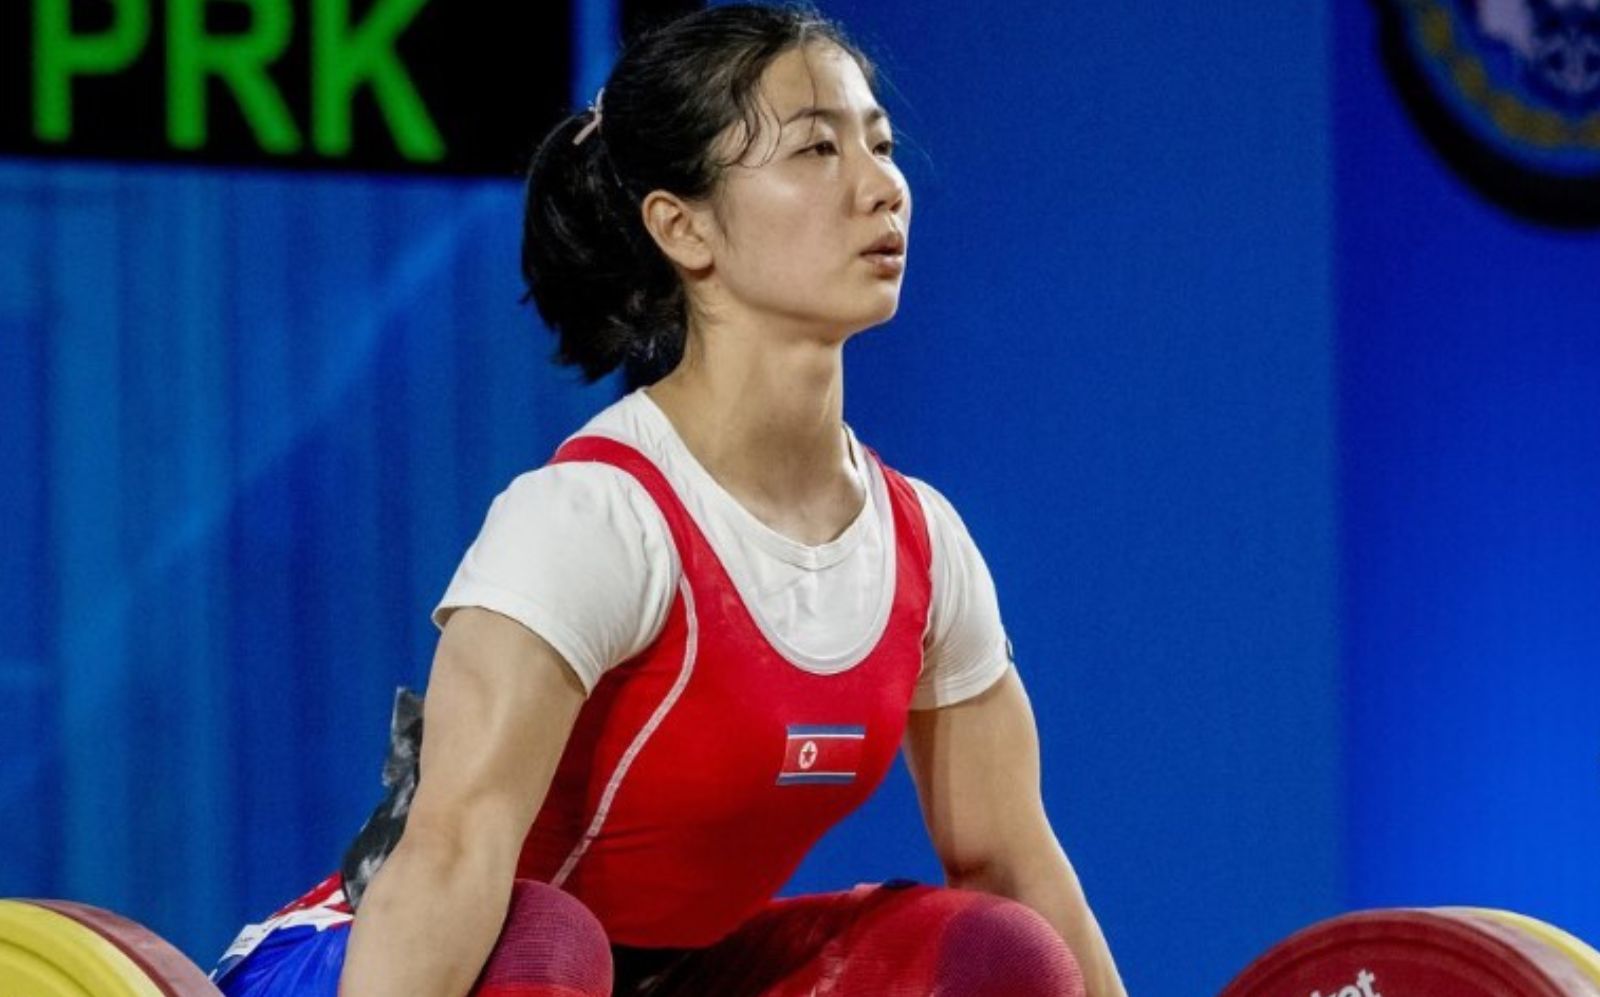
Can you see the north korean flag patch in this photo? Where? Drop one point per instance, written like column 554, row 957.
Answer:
column 822, row 753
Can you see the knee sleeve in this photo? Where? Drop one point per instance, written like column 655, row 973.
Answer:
column 996, row 947
column 551, row 946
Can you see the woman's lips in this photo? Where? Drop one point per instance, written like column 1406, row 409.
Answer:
column 886, row 264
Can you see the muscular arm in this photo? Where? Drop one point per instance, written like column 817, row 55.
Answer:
column 976, row 769
column 500, row 705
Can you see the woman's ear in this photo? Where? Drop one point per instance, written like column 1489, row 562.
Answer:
column 680, row 229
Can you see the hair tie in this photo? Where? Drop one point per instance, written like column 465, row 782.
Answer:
column 594, row 122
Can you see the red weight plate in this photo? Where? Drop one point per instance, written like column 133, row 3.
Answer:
column 1558, row 966
column 1395, row 953
column 169, row 969
column 1580, row 952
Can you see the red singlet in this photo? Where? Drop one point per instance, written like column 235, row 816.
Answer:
column 701, row 771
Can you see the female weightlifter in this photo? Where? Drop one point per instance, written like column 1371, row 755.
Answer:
column 694, row 640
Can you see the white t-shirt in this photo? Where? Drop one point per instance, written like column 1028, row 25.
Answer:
column 580, row 554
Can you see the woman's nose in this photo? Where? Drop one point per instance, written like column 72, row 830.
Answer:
column 883, row 187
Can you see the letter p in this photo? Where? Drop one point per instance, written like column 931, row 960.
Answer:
column 59, row 55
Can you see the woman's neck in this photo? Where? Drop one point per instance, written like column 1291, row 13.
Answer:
column 767, row 423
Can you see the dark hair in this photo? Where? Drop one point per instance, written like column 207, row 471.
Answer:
column 598, row 279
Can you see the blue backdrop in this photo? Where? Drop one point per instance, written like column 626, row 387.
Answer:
column 1469, row 373
column 1282, row 448
column 259, row 416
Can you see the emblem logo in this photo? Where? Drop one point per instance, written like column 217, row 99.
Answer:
column 1521, row 79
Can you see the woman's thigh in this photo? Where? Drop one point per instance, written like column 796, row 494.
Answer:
column 897, row 939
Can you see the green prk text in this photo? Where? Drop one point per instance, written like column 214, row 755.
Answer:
column 344, row 57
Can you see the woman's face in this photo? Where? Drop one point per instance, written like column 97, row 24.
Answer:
column 819, row 186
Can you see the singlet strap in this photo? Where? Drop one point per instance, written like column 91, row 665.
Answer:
column 686, row 533
column 911, row 523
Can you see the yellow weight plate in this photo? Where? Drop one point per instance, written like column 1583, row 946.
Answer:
column 44, row 954
column 1571, row 946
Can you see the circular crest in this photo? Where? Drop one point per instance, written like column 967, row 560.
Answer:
column 1521, row 75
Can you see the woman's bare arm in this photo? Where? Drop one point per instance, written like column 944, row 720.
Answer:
column 976, row 769
column 500, row 705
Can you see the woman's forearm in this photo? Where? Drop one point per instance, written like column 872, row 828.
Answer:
column 1081, row 931
column 1050, row 886
column 426, row 925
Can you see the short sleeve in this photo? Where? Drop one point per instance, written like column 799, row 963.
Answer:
column 965, row 649
column 579, row 554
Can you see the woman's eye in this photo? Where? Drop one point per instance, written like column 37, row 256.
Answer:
column 884, row 148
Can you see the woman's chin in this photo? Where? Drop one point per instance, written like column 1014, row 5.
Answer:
column 863, row 316
column 882, row 305
column 877, row 318
column 888, row 311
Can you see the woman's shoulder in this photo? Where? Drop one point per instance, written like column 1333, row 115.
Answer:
column 582, row 495
column 953, row 548
column 577, row 553
column 632, row 419
column 586, row 495
column 936, row 508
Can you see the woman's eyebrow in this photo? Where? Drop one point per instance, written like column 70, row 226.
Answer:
column 834, row 116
